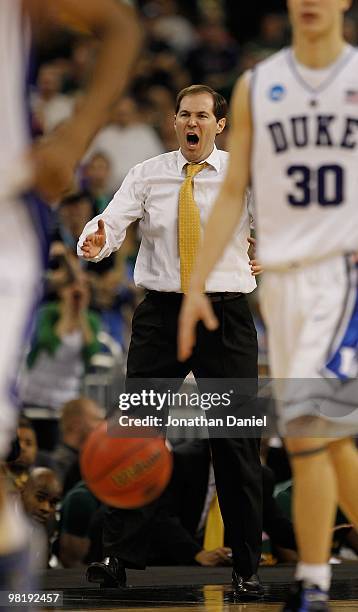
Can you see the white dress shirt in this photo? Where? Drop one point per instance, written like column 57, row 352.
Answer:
column 150, row 192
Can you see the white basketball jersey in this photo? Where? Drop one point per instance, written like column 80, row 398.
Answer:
column 305, row 160
column 13, row 122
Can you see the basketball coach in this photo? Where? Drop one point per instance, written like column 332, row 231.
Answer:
column 172, row 195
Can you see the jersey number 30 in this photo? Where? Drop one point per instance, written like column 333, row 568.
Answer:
column 324, row 185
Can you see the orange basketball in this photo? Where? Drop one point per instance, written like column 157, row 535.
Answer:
column 125, row 472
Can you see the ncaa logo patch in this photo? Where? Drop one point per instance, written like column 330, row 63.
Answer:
column 276, row 93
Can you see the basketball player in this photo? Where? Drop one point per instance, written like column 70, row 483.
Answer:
column 295, row 125
column 48, row 170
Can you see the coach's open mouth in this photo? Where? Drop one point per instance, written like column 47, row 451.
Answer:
column 192, row 139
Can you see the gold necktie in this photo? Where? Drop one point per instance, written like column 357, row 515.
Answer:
column 214, row 528
column 189, row 225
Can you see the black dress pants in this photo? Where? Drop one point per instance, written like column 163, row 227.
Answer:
column 228, row 352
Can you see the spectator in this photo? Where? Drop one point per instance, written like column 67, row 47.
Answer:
column 273, row 32
column 110, row 286
column 343, row 532
column 174, row 537
column 40, row 496
column 214, row 60
column 167, row 69
column 96, row 173
column 160, row 67
column 64, row 341
column 62, row 266
column 126, row 141
column 165, row 24
column 74, row 210
column 81, row 64
column 192, row 479
column 113, row 296
column 49, row 106
column 77, row 513
column 78, row 418
column 160, row 101
column 30, row 455
column 28, row 443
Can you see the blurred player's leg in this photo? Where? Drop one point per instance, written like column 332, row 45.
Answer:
column 344, row 456
column 299, row 349
column 313, row 515
column 333, row 468
column 19, row 265
column 19, row 281
column 311, row 468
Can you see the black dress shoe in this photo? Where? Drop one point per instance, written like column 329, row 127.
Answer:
column 110, row 573
column 247, row 588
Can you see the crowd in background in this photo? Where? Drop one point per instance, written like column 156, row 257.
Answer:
column 179, row 50
column 87, row 308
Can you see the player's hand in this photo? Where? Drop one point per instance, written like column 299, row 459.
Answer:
column 54, row 165
column 196, row 307
column 56, row 156
column 212, row 558
column 93, row 243
column 256, row 267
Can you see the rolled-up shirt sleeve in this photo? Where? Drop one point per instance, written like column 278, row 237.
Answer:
column 126, row 206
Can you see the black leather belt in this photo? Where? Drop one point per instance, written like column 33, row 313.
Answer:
column 223, row 296
column 218, row 296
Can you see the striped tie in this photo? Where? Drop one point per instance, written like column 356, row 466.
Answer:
column 189, row 225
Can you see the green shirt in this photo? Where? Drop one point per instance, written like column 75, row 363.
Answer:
column 46, row 339
column 78, row 509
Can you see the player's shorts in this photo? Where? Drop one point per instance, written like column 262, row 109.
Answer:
column 19, row 283
column 311, row 314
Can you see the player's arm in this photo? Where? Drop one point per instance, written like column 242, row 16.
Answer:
column 230, row 202
column 115, row 26
column 223, row 220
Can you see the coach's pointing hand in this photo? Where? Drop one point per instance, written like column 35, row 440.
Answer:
column 93, row 243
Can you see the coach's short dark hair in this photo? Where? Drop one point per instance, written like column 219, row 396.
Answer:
column 220, row 104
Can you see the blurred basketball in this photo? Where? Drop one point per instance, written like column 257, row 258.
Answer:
column 125, row 472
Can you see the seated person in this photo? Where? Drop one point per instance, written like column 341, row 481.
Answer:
column 96, row 172
column 78, row 418
column 40, row 497
column 30, row 454
column 77, row 513
column 65, row 339
column 343, row 533
column 174, row 541
column 73, row 213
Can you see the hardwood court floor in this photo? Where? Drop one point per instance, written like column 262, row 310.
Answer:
column 191, row 590
column 349, row 606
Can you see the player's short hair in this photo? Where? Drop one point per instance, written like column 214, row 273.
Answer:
column 220, row 104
